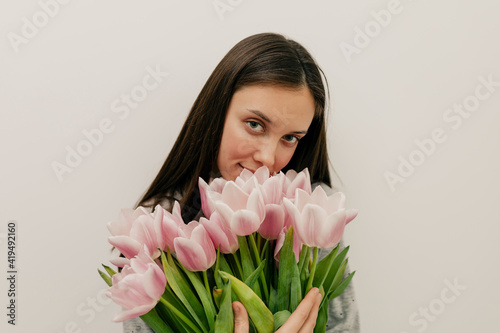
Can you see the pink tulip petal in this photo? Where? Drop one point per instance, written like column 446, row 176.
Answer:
column 220, row 236
column 244, row 222
column 127, row 246
column 297, row 180
column 301, row 199
column 234, row 196
column 336, row 202
column 206, row 205
column 272, row 190
column 225, row 213
column 144, row 232
column 279, row 243
column 135, row 312
column 293, row 213
column 152, row 284
column 176, row 214
column 319, row 197
column 120, row 261
column 350, row 215
column 261, row 174
column 191, row 254
column 250, row 185
column 255, row 203
column 201, row 236
column 311, row 229
column 273, row 222
column 336, row 225
column 138, row 287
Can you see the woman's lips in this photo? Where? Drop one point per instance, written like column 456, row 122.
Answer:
column 241, row 166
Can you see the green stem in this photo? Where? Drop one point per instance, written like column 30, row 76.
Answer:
column 313, row 270
column 180, row 315
column 207, row 287
column 238, row 264
column 264, row 249
column 257, row 258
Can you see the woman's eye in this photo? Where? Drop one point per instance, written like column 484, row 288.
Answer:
column 255, row 126
column 291, row 139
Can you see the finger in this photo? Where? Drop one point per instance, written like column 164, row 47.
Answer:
column 301, row 314
column 240, row 318
column 310, row 322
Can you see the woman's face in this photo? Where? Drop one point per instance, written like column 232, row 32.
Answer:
column 262, row 128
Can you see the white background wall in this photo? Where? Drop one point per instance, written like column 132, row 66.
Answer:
column 437, row 225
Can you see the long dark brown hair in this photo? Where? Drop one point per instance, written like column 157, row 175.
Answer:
column 267, row 59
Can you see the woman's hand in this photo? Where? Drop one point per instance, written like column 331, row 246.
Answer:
column 302, row 320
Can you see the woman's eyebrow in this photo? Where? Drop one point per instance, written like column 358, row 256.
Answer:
column 266, row 118
column 260, row 114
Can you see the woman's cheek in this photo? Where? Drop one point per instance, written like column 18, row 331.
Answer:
column 283, row 158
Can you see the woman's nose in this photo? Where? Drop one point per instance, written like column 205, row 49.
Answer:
column 265, row 155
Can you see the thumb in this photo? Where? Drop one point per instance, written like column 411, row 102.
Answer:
column 240, row 318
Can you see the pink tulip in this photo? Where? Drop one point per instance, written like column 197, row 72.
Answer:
column 210, row 193
column 156, row 231
column 296, row 180
column 297, row 245
column 248, row 180
column 319, row 220
column 194, row 248
column 120, row 232
column 275, row 214
column 220, row 235
column 126, row 218
column 167, row 226
column 138, row 287
column 240, row 212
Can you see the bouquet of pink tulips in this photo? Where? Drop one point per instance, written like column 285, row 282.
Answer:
column 253, row 245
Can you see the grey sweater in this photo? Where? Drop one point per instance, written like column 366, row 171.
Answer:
column 343, row 312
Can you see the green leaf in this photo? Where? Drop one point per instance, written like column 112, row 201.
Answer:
column 273, row 300
column 338, row 276
column 340, row 289
column 247, row 262
column 322, row 319
column 109, row 270
column 184, row 319
column 105, row 277
column 295, row 290
column 332, row 273
column 305, row 254
column 184, row 291
column 156, row 323
column 225, row 318
column 336, row 281
column 323, row 267
column 217, row 294
column 280, row 318
column 286, row 263
column 257, row 310
column 217, row 278
column 180, row 318
column 203, row 295
column 250, row 281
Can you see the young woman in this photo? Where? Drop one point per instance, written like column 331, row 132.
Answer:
column 263, row 105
